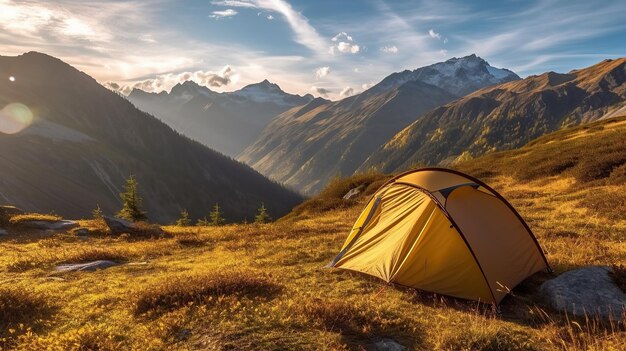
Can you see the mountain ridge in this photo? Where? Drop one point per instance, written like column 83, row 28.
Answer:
column 305, row 147
column 87, row 139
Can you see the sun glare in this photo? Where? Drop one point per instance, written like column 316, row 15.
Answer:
column 12, row 79
column 14, row 118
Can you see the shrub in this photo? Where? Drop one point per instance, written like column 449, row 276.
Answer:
column 262, row 216
column 177, row 292
column 184, row 220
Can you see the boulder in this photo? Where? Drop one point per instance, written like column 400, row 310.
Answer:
column 588, row 290
column 47, row 225
column 81, row 232
column 85, row 267
column 388, row 345
column 352, row 193
column 120, row 226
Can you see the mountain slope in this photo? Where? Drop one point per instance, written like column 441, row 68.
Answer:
column 506, row 116
column 306, row 146
column 86, row 140
column 226, row 122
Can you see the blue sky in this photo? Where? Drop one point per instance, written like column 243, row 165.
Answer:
column 331, row 48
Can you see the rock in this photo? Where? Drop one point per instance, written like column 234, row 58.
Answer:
column 3, row 232
column 388, row 345
column 85, row 267
column 81, row 232
column 588, row 290
column 352, row 193
column 46, row 225
column 119, row 226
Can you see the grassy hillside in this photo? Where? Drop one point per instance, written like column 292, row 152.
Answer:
column 263, row 286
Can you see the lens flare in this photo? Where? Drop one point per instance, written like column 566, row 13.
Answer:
column 14, row 118
column 12, row 79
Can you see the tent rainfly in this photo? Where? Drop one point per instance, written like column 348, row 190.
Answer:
column 443, row 231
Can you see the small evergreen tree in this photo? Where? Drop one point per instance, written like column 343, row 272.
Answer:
column 217, row 217
column 184, row 220
column 203, row 222
column 262, row 216
column 97, row 213
column 131, row 210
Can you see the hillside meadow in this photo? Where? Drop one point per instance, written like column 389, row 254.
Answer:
column 264, row 286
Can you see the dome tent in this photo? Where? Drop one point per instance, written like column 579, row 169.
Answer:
column 442, row 231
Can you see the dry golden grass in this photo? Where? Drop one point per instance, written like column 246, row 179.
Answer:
column 29, row 217
column 263, row 287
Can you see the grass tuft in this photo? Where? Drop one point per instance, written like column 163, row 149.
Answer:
column 200, row 289
column 29, row 217
column 21, row 309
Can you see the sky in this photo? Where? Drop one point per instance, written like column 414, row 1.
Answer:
column 331, row 49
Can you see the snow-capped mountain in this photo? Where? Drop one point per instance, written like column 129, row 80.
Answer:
column 226, row 122
column 306, row 146
column 458, row 76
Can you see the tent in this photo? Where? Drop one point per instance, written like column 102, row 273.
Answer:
column 442, row 231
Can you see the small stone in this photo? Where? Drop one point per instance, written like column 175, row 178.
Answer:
column 352, row 193
column 85, row 267
column 3, row 232
column 586, row 291
column 389, row 345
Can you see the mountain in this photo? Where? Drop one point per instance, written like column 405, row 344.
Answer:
column 226, row 122
column 506, row 116
column 306, row 146
column 86, row 140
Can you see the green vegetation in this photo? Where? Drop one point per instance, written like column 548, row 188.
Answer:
column 97, row 213
column 217, row 217
column 132, row 202
column 262, row 216
column 184, row 220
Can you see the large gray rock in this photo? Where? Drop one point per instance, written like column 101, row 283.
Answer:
column 85, row 267
column 46, row 225
column 588, row 290
column 121, row 226
column 118, row 226
column 388, row 345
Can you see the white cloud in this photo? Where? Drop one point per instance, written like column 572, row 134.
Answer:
column 223, row 14
column 434, row 34
column 342, row 35
column 356, row 70
column 392, row 49
column 305, row 34
column 347, row 91
column 161, row 82
column 443, row 52
column 445, row 40
column 344, row 44
column 366, row 86
column 270, row 17
column 322, row 72
column 321, row 91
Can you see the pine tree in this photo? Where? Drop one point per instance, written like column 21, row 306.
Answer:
column 97, row 213
column 263, row 216
column 184, row 220
column 203, row 222
column 131, row 210
column 217, row 217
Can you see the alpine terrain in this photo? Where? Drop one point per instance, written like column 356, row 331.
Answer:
column 308, row 145
column 85, row 140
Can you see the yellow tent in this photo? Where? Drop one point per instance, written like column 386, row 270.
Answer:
column 442, row 231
